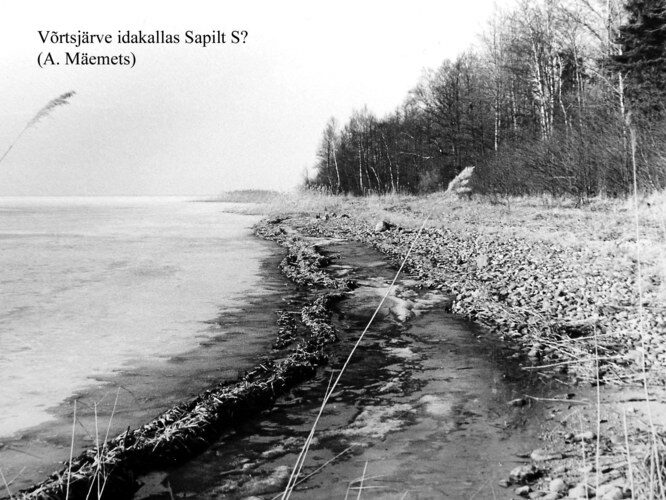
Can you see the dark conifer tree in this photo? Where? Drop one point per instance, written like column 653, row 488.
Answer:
column 643, row 57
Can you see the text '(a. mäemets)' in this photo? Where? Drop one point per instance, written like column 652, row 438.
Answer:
column 45, row 59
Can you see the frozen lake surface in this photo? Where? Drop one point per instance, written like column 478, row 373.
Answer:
column 89, row 286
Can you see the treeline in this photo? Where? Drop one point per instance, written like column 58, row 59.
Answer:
column 563, row 97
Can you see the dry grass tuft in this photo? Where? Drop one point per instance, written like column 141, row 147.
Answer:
column 61, row 100
column 41, row 114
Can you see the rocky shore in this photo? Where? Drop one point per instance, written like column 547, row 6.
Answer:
column 566, row 312
column 556, row 305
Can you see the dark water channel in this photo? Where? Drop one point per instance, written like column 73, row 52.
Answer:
column 421, row 411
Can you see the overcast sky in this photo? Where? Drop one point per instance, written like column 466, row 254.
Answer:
column 192, row 120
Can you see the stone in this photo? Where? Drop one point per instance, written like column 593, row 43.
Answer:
column 557, row 485
column 586, row 436
column 523, row 491
column 581, row 490
column 541, row 455
column 610, row 491
column 524, row 474
column 634, row 355
column 614, row 493
column 382, row 226
column 560, row 469
column 586, row 469
column 482, row 261
column 517, row 402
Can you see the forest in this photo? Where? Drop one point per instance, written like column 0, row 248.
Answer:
column 564, row 97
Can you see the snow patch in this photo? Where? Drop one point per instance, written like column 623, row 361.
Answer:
column 377, row 421
column 436, row 406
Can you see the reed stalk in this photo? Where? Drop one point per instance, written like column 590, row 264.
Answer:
column 71, row 453
column 360, row 488
column 655, row 475
column 61, row 100
column 2, row 475
column 630, row 472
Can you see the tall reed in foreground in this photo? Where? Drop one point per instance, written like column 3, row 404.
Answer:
column 61, row 100
column 657, row 483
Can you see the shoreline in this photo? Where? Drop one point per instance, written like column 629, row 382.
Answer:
column 459, row 265
column 191, row 426
column 420, row 376
column 244, row 328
